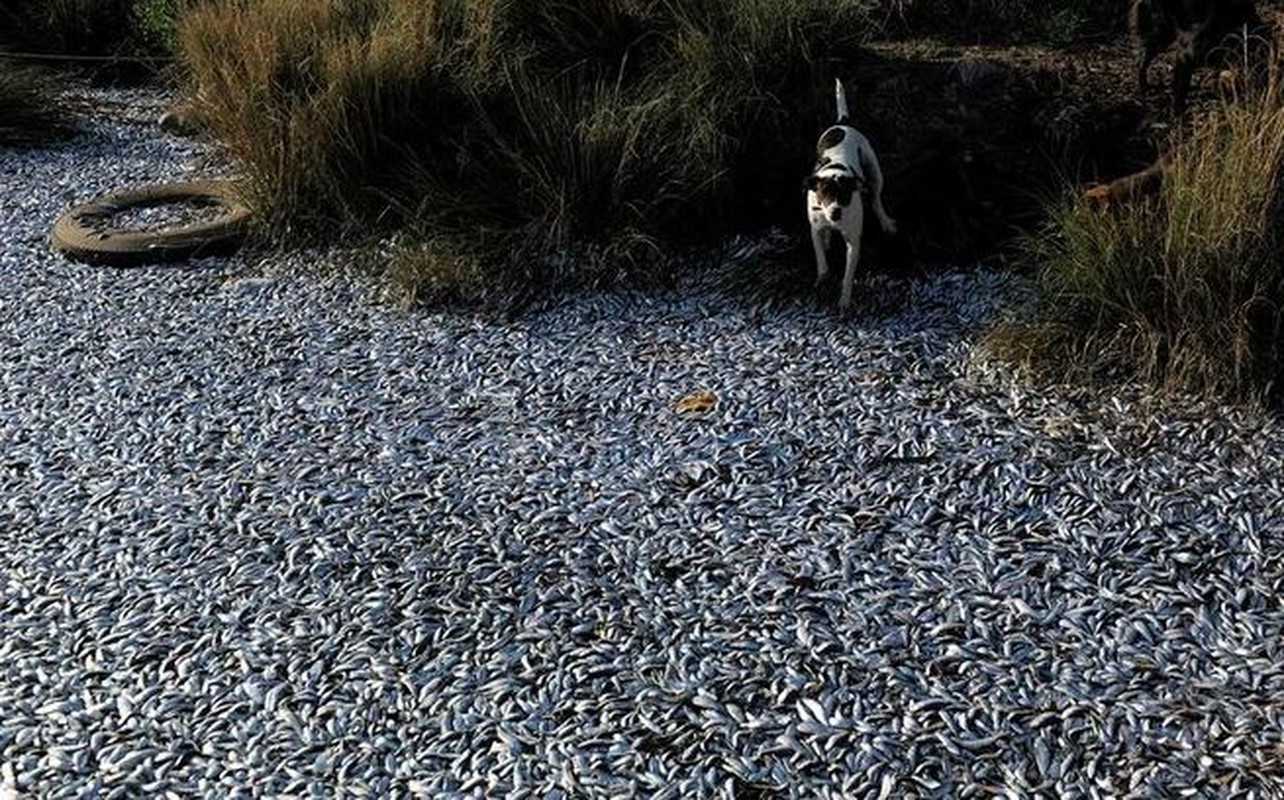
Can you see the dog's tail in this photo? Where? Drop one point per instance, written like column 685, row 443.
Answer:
column 840, row 96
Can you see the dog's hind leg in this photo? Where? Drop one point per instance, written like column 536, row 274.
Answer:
column 874, row 176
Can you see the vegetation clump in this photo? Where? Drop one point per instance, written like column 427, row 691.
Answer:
column 509, row 133
column 1183, row 290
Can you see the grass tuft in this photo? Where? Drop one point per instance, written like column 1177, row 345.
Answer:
column 1183, row 290
column 317, row 99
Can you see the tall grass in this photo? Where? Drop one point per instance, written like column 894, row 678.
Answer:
column 512, row 132
column 1184, row 290
column 313, row 97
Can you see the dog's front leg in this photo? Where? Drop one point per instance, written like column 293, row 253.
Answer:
column 1152, row 32
column 853, row 261
column 819, row 241
column 1146, row 55
column 1183, row 72
column 1193, row 48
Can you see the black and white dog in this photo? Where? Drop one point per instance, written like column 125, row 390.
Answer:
column 846, row 170
column 1197, row 26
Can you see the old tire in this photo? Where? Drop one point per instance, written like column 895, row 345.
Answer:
column 85, row 233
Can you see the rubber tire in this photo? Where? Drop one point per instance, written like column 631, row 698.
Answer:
column 77, row 239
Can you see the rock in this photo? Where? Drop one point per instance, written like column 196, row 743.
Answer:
column 182, row 119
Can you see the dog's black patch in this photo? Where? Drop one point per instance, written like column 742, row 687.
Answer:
column 837, row 189
column 830, row 138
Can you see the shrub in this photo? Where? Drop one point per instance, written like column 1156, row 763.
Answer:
column 155, row 24
column 518, row 130
column 1183, row 290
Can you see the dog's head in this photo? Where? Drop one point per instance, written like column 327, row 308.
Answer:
column 830, row 194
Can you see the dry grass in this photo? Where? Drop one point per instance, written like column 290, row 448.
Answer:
column 312, row 96
column 511, row 132
column 1183, row 290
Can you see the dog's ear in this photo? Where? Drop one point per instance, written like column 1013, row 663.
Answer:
column 811, row 183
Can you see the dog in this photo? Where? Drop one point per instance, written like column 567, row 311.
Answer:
column 846, row 170
column 1197, row 26
column 1130, row 187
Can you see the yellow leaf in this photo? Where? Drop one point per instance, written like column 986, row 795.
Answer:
column 698, row 402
